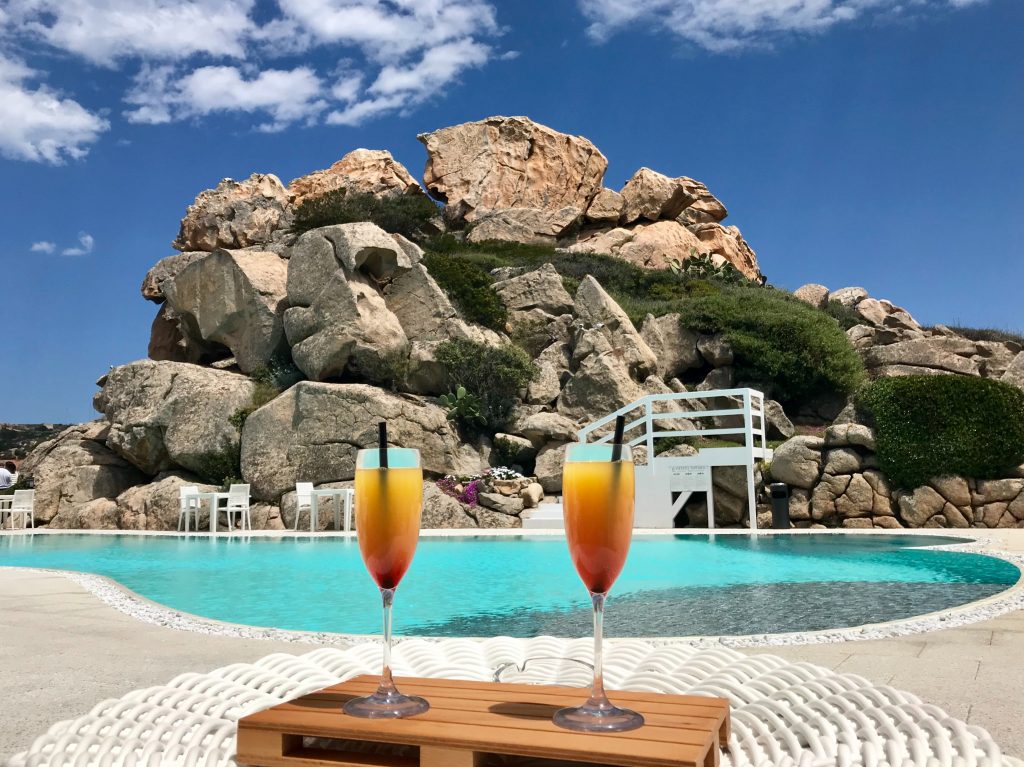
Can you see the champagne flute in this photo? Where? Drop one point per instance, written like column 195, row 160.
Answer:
column 389, row 500
column 597, row 489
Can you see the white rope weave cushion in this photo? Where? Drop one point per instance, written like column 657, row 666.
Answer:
column 783, row 714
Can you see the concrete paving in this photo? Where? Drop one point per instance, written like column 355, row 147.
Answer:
column 62, row 651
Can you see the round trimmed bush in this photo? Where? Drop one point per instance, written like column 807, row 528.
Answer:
column 928, row 426
column 799, row 352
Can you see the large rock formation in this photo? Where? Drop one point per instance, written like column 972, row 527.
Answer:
column 164, row 415
column 516, row 180
column 234, row 300
column 237, row 214
column 311, row 433
column 76, row 468
column 368, row 171
column 510, row 163
column 338, row 319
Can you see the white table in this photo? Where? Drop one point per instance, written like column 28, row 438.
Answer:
column 341, row 498
column 214, row 498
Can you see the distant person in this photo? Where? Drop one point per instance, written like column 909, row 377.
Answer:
column 8, row 475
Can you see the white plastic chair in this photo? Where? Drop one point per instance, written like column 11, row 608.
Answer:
column 304, row 500
column 188, row 505
column 238, row 503
column 24, row 503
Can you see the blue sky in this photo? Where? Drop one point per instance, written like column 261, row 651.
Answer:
column 868, row 142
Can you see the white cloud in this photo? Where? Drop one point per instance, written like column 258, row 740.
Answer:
column 189, row 59
column 162, row 94
column 404, row 87
column 84, row 247
column 43, row 246
column 727, row 25
column 385, row 31
column 38, row 123
column 102, row 31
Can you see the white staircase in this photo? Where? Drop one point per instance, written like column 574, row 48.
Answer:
column 664, row 483
column 547, row 516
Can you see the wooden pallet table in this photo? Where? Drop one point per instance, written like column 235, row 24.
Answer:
column 478, row 724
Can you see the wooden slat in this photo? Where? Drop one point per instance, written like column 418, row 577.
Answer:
column 468, row 719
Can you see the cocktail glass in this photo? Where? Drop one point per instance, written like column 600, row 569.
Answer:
column 597, row 497
column 388, row 501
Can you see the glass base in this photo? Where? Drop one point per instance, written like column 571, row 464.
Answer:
column 598, row 718
column 390, row 705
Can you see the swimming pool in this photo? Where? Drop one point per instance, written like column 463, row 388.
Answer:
column 525, row 586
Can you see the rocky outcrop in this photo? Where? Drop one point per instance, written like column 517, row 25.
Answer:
column 164, row 415
column 237, row 214
column 338, row 319
column 674, row 347
column 311, row 433
column 75, row 469
column 234, row 300
column 164, row 270
column 156, row 505
column 540, row 289
column 367, row 171
column 651, row 245
column 596, row 309
column 653, row 196
column 503, row 163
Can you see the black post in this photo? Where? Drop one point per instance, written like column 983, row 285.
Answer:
column 780, row 505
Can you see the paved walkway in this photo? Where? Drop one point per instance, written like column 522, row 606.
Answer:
column 62, row 651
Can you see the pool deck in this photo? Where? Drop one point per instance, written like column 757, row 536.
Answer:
column 62, row 650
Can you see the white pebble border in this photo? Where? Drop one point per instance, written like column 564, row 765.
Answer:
column 132, row 604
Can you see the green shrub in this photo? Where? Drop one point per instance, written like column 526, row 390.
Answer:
column 222, row 468
column 778, row 340
column 273, row 378
column 470, row 286
column 492, row 376
column 845, row 315
column 390, row 369
column 928, row 426
column 410, row 215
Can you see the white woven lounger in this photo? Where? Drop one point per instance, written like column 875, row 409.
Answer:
column 783, row 714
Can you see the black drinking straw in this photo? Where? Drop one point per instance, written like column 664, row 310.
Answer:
column 382, row 439
column 620, row 427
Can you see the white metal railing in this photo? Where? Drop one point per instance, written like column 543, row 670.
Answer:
column 752, row 408
column 643, row 422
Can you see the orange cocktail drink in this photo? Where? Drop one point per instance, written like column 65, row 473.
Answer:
column 389, row 500
column 388, row 504
column 598, row 508
column 597, row 503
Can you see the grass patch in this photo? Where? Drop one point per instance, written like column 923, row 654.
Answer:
column 989, row 334
column 797, row 350
column 638, row 291
column 778, row 339
column 470, row 286
column 930, row 426
column 410, row 215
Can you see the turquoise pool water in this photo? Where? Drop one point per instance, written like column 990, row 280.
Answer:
column 524, row 586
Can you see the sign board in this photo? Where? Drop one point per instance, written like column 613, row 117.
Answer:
column 694, row 479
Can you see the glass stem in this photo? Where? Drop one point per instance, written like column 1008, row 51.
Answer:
column 387, row 684
column 598, row 698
